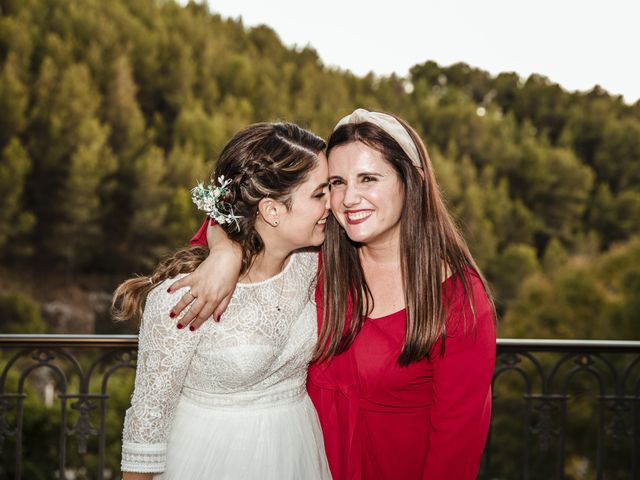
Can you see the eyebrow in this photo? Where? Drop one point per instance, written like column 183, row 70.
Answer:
column 371, row 174
column 360, row 175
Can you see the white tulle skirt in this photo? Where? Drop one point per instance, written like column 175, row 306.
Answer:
column 281, row 440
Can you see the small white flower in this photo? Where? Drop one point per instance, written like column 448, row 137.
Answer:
column 209, row 201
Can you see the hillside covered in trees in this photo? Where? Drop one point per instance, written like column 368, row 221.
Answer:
column 111, row 111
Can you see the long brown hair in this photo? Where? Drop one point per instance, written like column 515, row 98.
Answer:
column 263, row 160
column 430, row 247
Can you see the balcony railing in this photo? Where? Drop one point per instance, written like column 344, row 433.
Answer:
column 562, row 408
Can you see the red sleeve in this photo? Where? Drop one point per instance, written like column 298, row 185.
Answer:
column 200, row 238
column 461, row 410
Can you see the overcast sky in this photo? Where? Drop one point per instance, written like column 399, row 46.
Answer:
column 577, row 43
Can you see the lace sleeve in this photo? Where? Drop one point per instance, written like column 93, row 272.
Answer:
column 164, row 354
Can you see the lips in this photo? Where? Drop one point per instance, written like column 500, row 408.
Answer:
column 321, row 223
column 357, row 216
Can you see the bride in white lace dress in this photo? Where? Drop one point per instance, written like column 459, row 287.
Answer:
column 228, row 400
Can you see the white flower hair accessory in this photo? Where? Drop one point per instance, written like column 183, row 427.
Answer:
column 209, row 200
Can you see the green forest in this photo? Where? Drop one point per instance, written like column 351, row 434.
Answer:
column 110, row 111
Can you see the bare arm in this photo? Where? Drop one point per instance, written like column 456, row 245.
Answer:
column 212, row 283
column 137, row 476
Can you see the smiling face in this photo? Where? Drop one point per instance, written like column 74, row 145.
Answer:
column 303, row 224
column 366, row 194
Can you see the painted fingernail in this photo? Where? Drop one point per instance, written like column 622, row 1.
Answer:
column 169, row 290
column 172, row 315
column 180, row 326
column 218, row 318
column 192, row 328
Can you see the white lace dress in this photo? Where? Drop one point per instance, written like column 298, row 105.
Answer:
column 228, row 401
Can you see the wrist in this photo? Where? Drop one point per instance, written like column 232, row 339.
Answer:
column 229, row 250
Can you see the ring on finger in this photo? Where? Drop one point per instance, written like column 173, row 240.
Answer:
column 194, row 296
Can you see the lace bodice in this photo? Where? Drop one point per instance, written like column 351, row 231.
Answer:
column 260, row 348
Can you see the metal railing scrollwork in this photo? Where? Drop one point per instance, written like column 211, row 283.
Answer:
column 562, row 408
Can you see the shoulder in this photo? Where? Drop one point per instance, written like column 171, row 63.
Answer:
column 463, row 285
column 467, row 302
column 159, row 292
column 159, row 301
column 306, row 261
column 306, row 257
column 158, row 331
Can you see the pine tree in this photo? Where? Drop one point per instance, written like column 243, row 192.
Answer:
column 14, row 98
column 15, row 222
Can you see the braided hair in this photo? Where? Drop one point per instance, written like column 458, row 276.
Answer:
column 266, row 160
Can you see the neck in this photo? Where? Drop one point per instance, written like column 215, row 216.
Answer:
column 382, row 252
column 265, row 265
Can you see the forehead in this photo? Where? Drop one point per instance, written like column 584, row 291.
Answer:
column 356, row 157
column 321, row 163
column 320, row 170
column 317, row 176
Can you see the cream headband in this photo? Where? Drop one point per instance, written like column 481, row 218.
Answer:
column 390, row 125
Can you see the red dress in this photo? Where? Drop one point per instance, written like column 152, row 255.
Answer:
column 428, row 420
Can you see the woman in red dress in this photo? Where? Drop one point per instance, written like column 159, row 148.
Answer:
column 406, row 349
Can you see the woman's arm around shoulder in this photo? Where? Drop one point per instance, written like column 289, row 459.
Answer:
column 213, row 282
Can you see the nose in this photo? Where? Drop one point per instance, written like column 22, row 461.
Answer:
column 351, row 196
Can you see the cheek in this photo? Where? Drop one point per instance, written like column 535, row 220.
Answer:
column 306, row 214
column 335, row 199
column 391, row 194
column 394, row 200
column 379, row 196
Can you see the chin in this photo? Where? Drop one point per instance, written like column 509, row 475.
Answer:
column 356, row 235
column 317, row 241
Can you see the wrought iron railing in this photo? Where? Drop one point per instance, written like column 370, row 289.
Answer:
column 562, row 408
